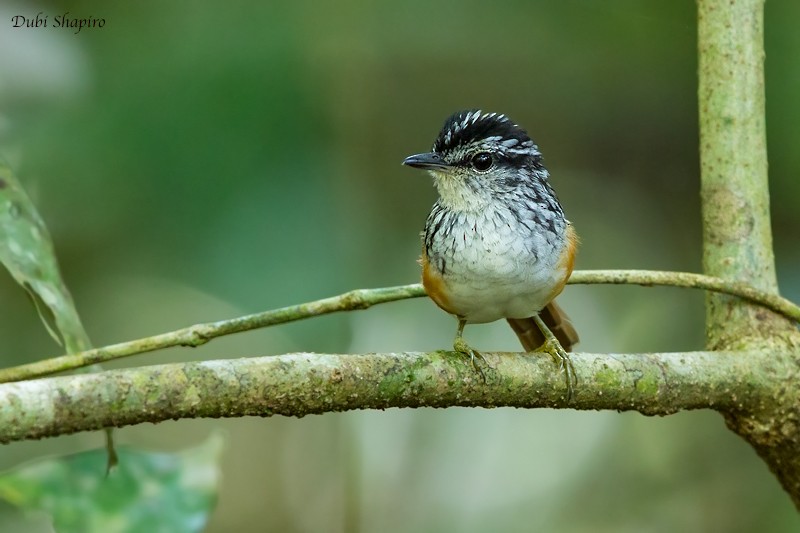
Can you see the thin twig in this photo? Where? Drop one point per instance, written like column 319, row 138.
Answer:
column 688, row 280
column 362, row 299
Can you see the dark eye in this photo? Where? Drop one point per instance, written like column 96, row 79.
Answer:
column 482, row 161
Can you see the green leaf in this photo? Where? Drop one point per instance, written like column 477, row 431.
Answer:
column 27, row 252
column 150, row 492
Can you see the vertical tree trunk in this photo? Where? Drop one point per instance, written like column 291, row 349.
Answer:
column 737, row 239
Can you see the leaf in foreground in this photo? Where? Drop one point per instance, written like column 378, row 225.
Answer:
column 150, row 492
column 27, row 252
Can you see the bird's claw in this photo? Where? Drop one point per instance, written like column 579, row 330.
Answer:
column 562, row 360
column 461, row 346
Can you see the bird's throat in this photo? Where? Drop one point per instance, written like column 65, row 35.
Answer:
column 458, row 193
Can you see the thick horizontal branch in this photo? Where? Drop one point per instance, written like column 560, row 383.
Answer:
column 362, row 299
column 304, row 383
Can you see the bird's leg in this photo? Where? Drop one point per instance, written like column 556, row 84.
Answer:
column 461, row 346
column 559, row 355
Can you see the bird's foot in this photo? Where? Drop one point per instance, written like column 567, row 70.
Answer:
column 561, row 359
column 461, row 346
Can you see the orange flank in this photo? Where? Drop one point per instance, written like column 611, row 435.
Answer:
column 434, row 284
column 567, row 259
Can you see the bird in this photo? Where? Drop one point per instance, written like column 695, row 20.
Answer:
column 496, row 244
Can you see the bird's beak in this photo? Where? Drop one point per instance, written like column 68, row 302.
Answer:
column 429, row 161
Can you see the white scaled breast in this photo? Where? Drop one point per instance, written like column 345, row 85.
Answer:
column 494, row 267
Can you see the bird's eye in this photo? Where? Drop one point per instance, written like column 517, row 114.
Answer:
column 482, row 161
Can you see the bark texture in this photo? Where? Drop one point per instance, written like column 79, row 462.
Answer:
column 306, row 383
column 737, row 237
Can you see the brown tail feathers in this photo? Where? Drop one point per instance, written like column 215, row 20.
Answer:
column 556, row 319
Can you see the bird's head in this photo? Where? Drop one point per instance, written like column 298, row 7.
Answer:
column 478, row 158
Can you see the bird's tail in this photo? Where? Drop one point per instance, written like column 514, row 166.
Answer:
column 556, row 319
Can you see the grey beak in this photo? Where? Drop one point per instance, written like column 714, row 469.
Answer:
column 428, row 161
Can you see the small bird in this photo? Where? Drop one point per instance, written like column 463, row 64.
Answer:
column 496, row 243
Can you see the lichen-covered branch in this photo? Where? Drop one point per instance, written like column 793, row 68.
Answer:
column 301, row 384
column 364, row 298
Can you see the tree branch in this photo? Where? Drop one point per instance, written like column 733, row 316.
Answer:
column 303, row 383
column 690, row 281
column 362, row 299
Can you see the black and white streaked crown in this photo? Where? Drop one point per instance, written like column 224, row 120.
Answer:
column 473, row 130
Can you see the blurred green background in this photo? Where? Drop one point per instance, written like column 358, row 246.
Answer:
column 198, row 161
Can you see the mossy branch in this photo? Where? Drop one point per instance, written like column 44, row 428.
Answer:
column 301, row 384
column 199, row 334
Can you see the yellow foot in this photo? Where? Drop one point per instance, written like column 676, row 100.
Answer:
column 461, row 346
column 562, row 361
